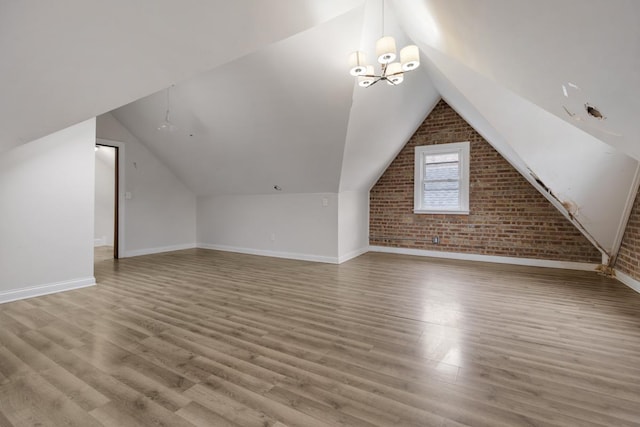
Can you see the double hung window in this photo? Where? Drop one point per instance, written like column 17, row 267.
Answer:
column 442, row 178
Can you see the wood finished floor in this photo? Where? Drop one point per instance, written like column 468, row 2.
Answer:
column 208, row 338
column 102, row 253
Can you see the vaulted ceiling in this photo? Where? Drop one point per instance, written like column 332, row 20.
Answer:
column 66, row 61
column 261, row 95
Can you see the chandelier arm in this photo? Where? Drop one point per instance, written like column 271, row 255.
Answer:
column 379, row 78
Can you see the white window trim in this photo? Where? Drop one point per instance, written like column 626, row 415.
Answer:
column 463, row 149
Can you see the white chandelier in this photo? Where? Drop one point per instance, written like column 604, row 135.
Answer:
column 391, row 72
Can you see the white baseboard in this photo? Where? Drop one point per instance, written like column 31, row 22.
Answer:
column 628, row 280
column 157, row 250
column 274, row 254
column 102, row 241
column 49, row 288
column 352, row 254
column 568, row 265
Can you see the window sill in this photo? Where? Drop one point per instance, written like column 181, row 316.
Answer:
column 420, row 212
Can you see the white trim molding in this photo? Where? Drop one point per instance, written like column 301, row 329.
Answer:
column 533, row 262
column 157, row 250
column 353, row 254
column 49, row 288
column 628, row 280
column 274, row 254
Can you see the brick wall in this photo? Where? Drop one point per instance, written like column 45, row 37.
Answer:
column 508, row 217
column 629, row 255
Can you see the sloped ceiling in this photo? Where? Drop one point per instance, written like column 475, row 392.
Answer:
column 287, row 114
column 69, row 60
column 273, row 117
column 533, row 48
column 262, row 97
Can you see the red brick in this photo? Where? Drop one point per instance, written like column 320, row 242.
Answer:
column 628, row 260
column 507, row 217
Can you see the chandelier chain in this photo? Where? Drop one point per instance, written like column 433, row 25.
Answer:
column 382, row 18
column 391, row 70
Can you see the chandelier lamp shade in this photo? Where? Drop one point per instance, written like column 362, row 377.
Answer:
column 386, row 49
column 410, row 58
column 390, row 71
column 357, row 63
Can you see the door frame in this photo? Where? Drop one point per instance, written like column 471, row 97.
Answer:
column 118, row 237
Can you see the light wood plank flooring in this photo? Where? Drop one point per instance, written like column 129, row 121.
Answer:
column 206, row 338
column 102, row 253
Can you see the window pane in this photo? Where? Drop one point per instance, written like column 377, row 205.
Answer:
column 443, row 181
column 442, row 199
column 441, row 171
column 440, row 185
column 440, row 158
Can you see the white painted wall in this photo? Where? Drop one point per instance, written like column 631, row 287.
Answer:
column 161, row 215
column 284, row 225
column 353, row 224
column 46, row 218
column 105, row 196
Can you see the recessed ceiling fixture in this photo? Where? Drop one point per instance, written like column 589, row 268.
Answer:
column 166, row 125
column 390, row 71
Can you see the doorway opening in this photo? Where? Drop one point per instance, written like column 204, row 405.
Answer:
column 106, row 203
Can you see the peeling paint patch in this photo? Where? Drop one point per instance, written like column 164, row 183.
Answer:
column 539, row 181
column 606, row 270
column 571, row 209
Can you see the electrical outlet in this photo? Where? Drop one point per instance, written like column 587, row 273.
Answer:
column 272, row 237
column 435, row 240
